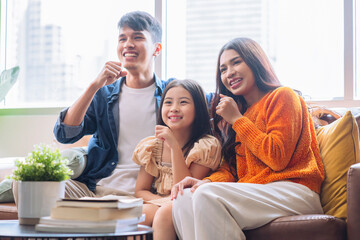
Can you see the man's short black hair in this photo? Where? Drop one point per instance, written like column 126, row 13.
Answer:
column 142, row 21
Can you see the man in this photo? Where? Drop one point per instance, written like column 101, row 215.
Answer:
column 117, row 112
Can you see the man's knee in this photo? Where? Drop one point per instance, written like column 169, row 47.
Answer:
column 77, row 157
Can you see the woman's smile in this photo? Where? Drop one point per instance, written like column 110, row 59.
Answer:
column 235, row 83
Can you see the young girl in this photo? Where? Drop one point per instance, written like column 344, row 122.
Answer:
column 272, row 165
column 182, row 146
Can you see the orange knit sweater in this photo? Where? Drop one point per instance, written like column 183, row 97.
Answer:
column 278, row 143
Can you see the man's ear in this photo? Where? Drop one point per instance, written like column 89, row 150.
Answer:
column 158, row 48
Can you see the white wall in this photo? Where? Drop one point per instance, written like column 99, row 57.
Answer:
column 19, row 133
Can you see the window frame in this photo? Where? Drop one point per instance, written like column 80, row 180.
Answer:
column 350, row 37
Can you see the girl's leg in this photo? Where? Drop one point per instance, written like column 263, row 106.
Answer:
column 223, row 210
column 163, row 224
column 149, row 210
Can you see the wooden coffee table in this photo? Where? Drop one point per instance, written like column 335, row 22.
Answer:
column 11, row 229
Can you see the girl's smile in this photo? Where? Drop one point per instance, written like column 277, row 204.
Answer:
column 175, row 118
column 178, row 111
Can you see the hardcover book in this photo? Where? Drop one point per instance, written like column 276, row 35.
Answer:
column 109, row 201
column 95, row 213
column 48, row 224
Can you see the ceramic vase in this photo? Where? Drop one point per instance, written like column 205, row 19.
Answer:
column 35, row 199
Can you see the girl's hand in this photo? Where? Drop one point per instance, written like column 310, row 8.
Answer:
column 165, row 134
column 187, row 182
column 228, row 109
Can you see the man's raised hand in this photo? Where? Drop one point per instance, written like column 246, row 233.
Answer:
column 109, row 74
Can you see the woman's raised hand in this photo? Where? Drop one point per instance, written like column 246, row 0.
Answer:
column 187, row 182
column 228, row 109
column 109, row 74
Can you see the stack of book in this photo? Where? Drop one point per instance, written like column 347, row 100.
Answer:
column 108, row 214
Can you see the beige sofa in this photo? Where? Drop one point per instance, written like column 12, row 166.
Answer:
column 338, row 137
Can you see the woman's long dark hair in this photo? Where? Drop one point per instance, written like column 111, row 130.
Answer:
column 265, row 79
column 201, row 125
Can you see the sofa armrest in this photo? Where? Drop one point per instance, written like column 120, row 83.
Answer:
column 353, row 202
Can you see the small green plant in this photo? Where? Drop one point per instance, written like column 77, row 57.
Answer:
column 42, row 164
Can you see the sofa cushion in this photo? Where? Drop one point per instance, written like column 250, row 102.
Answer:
column 6, row 194
column 339, row 148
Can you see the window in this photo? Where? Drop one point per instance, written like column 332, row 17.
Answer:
column 62, row 45
column 59, row 45
column 304, row 40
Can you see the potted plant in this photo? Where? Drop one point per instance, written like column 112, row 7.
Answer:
column 40, row 181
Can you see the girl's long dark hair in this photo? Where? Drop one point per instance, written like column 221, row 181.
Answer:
column 201, row 125
column 265, row 79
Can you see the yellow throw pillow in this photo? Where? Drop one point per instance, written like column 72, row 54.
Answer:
column 339, row 148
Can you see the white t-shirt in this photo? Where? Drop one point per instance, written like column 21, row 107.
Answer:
column 137, row 120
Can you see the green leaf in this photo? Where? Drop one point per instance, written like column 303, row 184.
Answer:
column 42, row 164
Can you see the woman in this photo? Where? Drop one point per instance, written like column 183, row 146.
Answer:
column 272, row 165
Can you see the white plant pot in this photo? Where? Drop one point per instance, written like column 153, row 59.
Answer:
column 35, row 199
